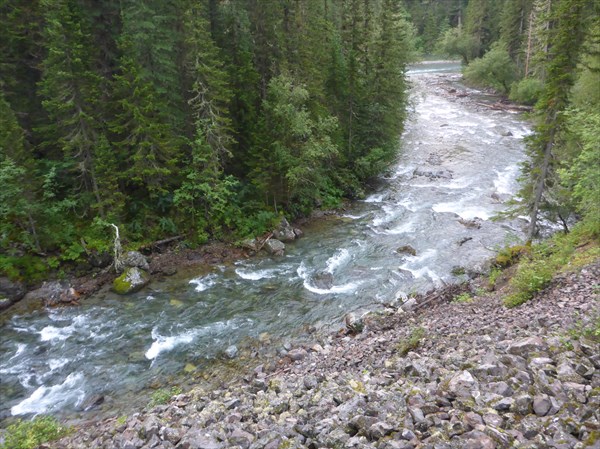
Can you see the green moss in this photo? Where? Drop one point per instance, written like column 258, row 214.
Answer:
column 412, row 342
column 31, row 434
column 121, row 285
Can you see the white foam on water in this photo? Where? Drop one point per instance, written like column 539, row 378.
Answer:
column 346, row 288
column 256, row 275
column 52, row 333
column 409, row 226
column 505, row 181
column 389, row 215
column 354, row 217
column 305, row 275
column 20, row 349
column 375, row 198
column 162, row 344
column 204, row 282
column 342, row 256
column 463, row 211
column 55, row 364
column 46, row 398
column 422, row 272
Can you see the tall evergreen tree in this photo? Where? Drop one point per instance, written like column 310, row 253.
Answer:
column 566, row 35
column 71, row 91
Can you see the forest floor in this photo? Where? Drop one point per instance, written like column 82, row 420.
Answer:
column 459, row 372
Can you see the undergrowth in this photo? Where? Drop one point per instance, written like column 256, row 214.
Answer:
column 31, row 434
column 412, row 342
column 541, row 262
column 162, row 396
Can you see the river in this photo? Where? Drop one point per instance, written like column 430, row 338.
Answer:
column 457, row 165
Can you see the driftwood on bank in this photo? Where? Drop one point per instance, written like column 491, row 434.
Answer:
column 162, row 242
column 499, row 106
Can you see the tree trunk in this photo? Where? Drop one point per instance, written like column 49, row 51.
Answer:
column 541, row 181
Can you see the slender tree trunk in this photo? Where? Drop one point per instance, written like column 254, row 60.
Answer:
column 541, row 181
column 528, row 55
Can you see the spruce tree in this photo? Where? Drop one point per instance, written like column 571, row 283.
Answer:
column 70, row 92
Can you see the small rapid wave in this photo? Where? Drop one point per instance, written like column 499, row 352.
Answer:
column 306, row 275
column 45, row 399
column 256, row 275
column 203, row 283
column 341, row 257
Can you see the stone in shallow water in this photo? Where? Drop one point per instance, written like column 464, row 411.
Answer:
column 132, row 280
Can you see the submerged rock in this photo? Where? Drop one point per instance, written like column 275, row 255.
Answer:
column 407, row 249
column 132, row 280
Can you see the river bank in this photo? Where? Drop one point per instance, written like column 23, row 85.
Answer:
column 450, row 375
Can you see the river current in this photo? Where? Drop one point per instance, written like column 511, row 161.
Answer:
column 457, row 165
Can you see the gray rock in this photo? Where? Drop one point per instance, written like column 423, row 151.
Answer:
column 10, row 292
column 501, row 388
column 462, row 383
column 53, row 293
column 523, row 404
column 150, row 427
column 310, row 382
column 284, row 232
column 135, row 259
column 241, row 438
column 171, row 434
column 251, row 244
column 527, row 346
column 132, row 280
column 585, row 369
column 297, row 354
column 504, row 404
column 231, row 352
column 274, row 247
column 477, row 440
column 196, row 439
column 541, row 405
column 379, row 430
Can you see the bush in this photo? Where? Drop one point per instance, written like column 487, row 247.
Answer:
column 30, row 434
column 412, row 342
column 495, row 69
column 527, row 91
column 531, row 277
column 463, row 297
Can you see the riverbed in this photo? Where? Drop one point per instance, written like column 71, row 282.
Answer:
column 429, row 222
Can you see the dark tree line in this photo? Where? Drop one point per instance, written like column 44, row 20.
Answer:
column 202, row 117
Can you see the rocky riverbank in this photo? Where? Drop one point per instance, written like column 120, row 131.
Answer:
column 446, row 375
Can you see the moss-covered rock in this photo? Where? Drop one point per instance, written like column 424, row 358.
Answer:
column 132, row 280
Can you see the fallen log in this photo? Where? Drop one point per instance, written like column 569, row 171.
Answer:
column 162, row 242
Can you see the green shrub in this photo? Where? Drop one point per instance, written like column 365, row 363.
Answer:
column 412, row 342
column 510, row 255
column 531, row 277
column 463, row 297
column 495, row 69
column 30, row 434
column 527, row 91
column 163, row 395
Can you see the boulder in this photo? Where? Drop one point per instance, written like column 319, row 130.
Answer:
column 462, row 383
column 132, row 280
column 251, row 244
column 284, row 232
column 526, row 346
column 323, row 280
column 274, row 247
column 11, row 290
column 407, row 249
column 53, row 293
column 135, row 259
